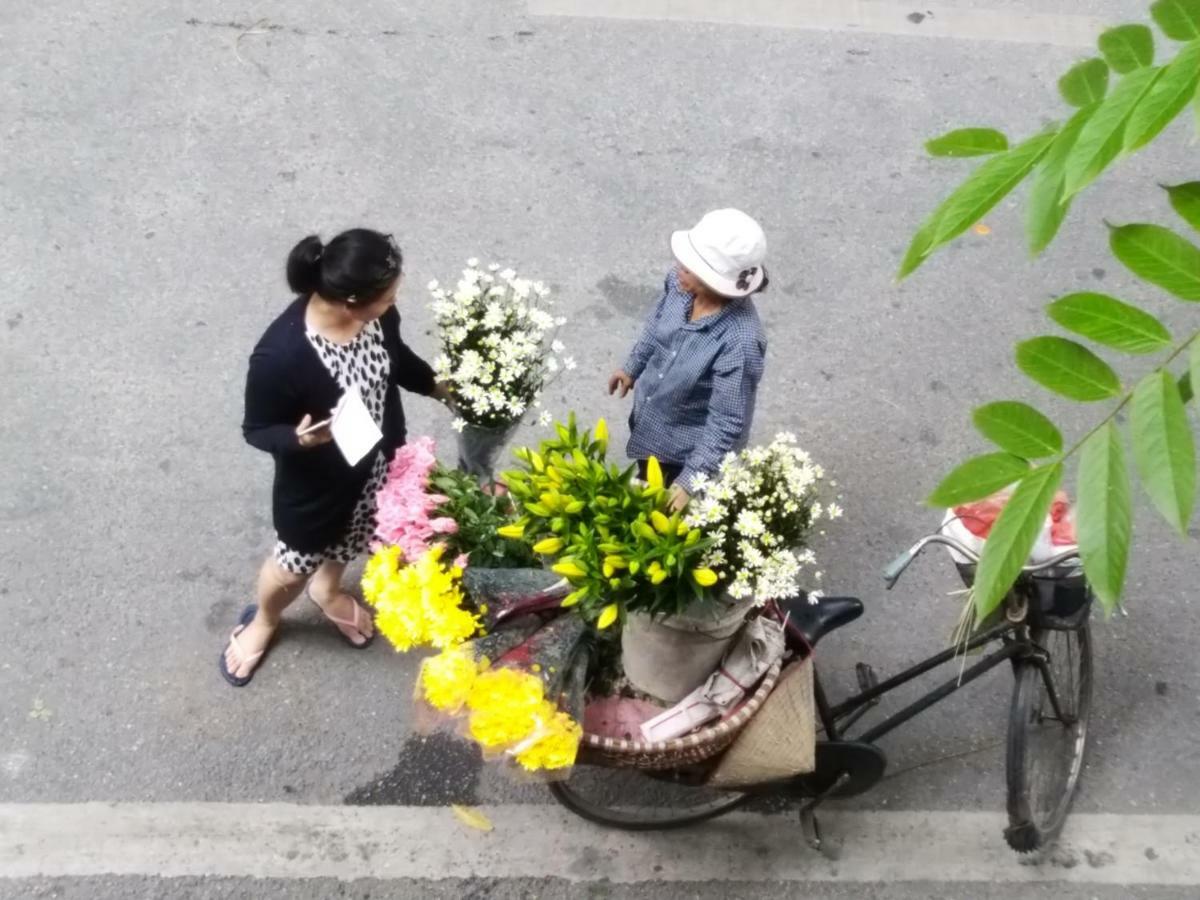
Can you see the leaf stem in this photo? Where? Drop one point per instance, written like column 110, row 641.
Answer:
column 1129, row 396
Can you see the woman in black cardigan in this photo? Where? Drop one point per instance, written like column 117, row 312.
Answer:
column 341, row 333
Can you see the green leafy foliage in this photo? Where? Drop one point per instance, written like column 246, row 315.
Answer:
column 1012, row 537
column 978, row 477
column 968, row 142
column 1104, row 513
column 1018, row 428
column 1103, row 137
column 1127, row 47
column 1160, row 256
column 1111, row 322
column 1085, row 83
column 982, row 190
column 1048, row 204
column 1067, row 368
column 1163, row 448
column 1166, row 99
column 479, row 516
column 1178, row 19
column 1185, row 199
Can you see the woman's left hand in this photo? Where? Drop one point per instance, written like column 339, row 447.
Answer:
column 677, row 498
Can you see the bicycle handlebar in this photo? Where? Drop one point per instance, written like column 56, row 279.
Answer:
column 894, row 569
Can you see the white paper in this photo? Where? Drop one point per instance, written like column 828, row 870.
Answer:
column 353, row 429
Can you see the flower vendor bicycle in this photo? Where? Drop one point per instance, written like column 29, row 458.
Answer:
column 1043, row 632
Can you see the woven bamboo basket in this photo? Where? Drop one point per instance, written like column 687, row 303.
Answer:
column 692, row 748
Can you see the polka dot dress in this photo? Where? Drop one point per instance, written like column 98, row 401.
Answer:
column 364, row 365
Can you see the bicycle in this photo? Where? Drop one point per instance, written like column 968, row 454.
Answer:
column 1043, row 631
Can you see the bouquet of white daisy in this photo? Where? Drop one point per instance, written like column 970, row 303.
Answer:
column 499, row 350
column 759, row 511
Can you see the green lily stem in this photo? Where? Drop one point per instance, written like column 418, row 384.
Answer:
column 1128, row 396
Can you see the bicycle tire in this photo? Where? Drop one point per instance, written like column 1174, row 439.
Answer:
column 639, row 817
column 1045, row 754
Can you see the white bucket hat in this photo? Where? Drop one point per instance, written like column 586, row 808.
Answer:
column 725, row 250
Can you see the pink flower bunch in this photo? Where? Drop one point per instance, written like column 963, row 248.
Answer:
column 405, row 505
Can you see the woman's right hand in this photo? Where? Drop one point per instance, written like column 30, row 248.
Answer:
column 620, row 380
column 321, row 435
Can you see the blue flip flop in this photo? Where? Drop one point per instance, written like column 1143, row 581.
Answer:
column 245, row 619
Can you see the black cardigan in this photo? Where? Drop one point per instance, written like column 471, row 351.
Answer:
column 315, row 489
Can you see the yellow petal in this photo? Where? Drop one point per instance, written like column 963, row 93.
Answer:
column 574, row 597
column 705, row 577
column 601, row 432
column 516, row 530
column 471, row 817
column 608, row 615
column 660, row 522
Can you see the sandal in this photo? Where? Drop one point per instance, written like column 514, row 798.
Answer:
column 347, row 623
column 253, row 659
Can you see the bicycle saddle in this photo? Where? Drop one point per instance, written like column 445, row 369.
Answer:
column 815, row 620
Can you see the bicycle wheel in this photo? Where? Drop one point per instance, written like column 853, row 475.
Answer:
column 637, row 800
column 1045, row 751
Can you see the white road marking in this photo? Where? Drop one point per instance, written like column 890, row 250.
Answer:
column 904, row 17
column 295, row 842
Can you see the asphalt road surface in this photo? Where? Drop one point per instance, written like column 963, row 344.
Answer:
column 158, row 161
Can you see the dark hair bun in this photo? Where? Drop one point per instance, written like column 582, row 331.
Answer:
column 304, row 266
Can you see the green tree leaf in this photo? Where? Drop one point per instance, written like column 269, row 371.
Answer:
column 1170, row 94
column 1067, row 368
column 1163, row 448
column 1084, row 83
column 1012, row 537
column 1108, row 321
column 1103, row 136
column 1104, row 513
column 983, row 189
column 1178, row 19
column 978, row 477
column 1128, row 47
column 1160, row 256
column 1018, row 428
column 1193, row 372
column 968, row 142
column 1047, row 206
column 1185, row 198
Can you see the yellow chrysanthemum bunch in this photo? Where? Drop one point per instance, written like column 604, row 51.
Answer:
column 446, row 679
column 420, row 604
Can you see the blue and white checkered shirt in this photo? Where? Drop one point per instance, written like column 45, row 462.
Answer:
column 696, row 383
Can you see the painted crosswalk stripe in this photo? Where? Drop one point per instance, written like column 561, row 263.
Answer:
column 858, row 16
column 529, row 841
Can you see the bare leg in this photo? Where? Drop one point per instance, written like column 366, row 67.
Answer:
column 326, row 589
column 277, row 588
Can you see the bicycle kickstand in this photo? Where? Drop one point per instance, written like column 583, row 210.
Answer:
column 808, row 814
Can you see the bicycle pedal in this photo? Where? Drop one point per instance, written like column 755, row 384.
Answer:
column 866, row 679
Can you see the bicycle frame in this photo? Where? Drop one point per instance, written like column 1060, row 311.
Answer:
column 836, row 719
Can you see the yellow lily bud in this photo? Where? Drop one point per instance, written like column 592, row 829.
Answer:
column 568, row 568
column 704, row 577
column 654, row 567
column 548, row 545
column 608, row 570
column 617, row 562
column 535, row 460
column 634, row 566
column 658, row 577
column 693, row 536
column 515, row 530
column 660, row 522
column 601, row 432
column 681, row 529
column 574, row 597
column 574, row 507
column 608, row 615
column 654, row 477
